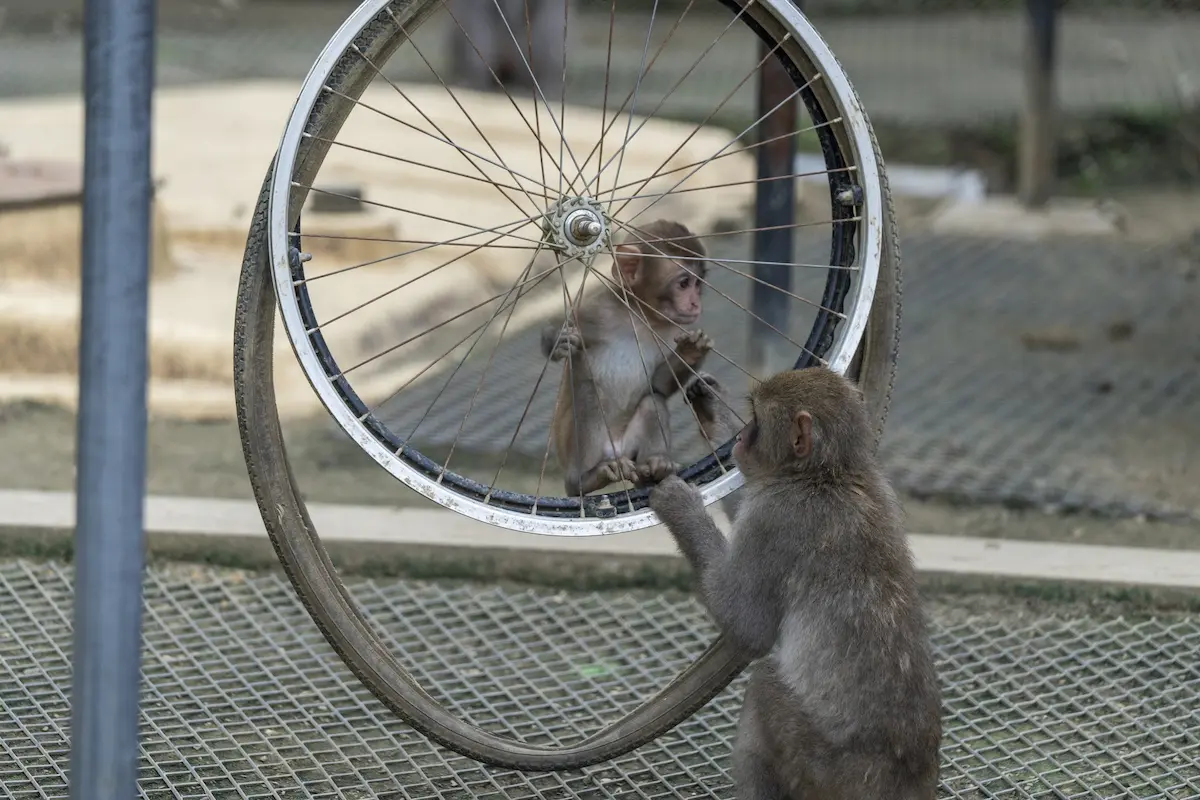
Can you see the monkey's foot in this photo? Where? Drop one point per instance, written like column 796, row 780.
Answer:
column 655, row 469
column 619, row 469
column 691, row 346
column 569, row 341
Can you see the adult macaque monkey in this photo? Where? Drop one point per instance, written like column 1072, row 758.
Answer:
column 818, row 582
column 610, row 420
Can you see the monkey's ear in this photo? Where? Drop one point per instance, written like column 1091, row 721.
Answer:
column 629, row 258
column 802, row 434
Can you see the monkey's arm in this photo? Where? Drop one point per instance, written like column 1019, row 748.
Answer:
column 734, row 586
column 679, row 366
column 669, row 373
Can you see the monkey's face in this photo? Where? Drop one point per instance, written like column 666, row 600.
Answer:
column 750, row 449
column 678, row 297
column 769, row 443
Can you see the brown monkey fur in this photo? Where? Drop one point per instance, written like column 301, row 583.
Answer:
column 610, row 420
column 817, row 582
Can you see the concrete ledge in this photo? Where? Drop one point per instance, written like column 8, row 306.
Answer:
column 365, row 538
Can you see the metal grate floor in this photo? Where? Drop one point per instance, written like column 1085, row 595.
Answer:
column 243, row 699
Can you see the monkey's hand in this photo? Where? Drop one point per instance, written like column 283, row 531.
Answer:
column 568, row 343
column 692, row 346
column 703, row 393
column 675, row 501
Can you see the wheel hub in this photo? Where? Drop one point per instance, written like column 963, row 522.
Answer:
column 576, row 227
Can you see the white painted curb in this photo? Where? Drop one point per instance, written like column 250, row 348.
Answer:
column 378, row 526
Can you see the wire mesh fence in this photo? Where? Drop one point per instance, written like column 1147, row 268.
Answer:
column 242, row 698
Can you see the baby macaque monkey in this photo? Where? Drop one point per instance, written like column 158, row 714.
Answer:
column 817, row 581
column 528, row 48
column 610, row 420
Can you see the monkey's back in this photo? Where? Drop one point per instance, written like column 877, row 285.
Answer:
column 850, row 689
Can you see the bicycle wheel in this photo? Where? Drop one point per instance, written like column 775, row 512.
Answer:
column 852, row 324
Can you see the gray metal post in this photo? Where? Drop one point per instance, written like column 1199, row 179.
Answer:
column 111, row 434
column 1038, row 124
column 774, row 214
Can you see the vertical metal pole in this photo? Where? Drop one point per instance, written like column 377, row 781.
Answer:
column 1036, row 178
column 111, row 433
column 774, row 214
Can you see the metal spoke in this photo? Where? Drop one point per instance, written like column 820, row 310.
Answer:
column 723, row 149
column 480, row 330
column 606, row 127
column 562, row 97
column 671, row 91
column 696, row 130
column 402, row 160
column 700, row 125
column 491, row 359
column 765, row 263
column 433, row 217
column 425, row 116
column 454, row 97
column 793, row 176
column 607, row 281
column 433, row 136
column 744, row 149
column 534, row 279
column 395, row 289
column 634, row 233
column 612, row 20
column 435, row 362
column 724, row 263
column 574, row 311
column 636, row 89
column 537, row 87
column 424, row 242
column 455, row 242
column 537, row 115
column 664, row 354
column 568, row 309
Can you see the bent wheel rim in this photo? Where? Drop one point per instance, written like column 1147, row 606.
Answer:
column 331, row 83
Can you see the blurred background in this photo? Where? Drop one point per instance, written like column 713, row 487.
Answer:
column 1051, row 340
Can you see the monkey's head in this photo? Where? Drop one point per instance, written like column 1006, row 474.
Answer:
column 807, row 421
column 663, row 266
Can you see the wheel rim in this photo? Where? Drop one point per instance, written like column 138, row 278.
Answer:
column 857, row 242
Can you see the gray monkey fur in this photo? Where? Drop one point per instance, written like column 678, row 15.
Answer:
column 817, row 583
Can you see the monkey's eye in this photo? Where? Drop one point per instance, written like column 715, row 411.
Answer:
column 685, row 281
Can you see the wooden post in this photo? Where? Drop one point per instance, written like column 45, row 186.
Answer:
column 774, row 207
column 1038, row 124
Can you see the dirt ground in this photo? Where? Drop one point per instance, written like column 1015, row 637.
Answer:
column 205, row 460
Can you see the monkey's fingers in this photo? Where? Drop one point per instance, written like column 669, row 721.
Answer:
column 702, row 388
column 655, row 469
column 688, row 337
